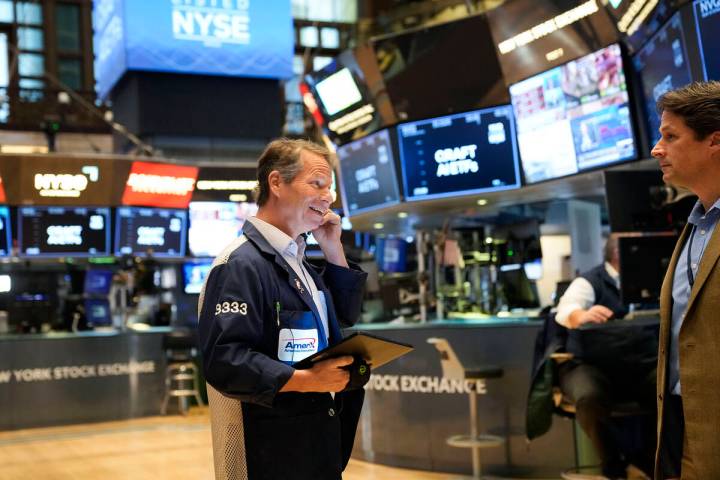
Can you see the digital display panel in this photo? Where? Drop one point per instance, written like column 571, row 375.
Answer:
column 338, row 91
column 98, row 282
column 367, row 174
column 97, row 312
column 574, row 117
column 5, row 233
column 139, row 230
column 707, row 16
column 63, row 231
column 213, row 225
column 241, row 38
column 194, row 274
column 459, row 154
column 662, row 65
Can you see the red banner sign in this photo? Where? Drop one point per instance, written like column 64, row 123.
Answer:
column 159, row 185
column 3, row 199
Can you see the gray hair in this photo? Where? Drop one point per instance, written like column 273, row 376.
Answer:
column 283, row 155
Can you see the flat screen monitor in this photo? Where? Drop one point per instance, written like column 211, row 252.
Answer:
column 643, row 263
column 662, row 65
column 518, row 290
column 5, row 233
column 213, row 225
column 517, row 241
column 441, row 69
column 574, row 117
column 707, row 16
column 338, row 91
column 367, row 174
column 63, row 231
column 392, row 255
column 97, row 312
column 140, row 230
column 194, row 274
column 459, row 154
column 631, row 202
column 98, row 282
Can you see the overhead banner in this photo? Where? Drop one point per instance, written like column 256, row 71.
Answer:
column 3, row 198
column 159, row 185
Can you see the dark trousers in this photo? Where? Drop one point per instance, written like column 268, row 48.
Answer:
column 671, row 444
column 595, row 391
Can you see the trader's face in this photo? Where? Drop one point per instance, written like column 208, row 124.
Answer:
column 307, row 198
column 684, row 160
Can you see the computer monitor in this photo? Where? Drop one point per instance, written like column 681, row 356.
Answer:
column 707, row 18
column 517, row 241
column 663, row 65
column 139, row 230
column 5, row 232
column 367, row 174
column 574, row 117
column 631, row 204
column 98, row 282
column 519, row 292
column 194, row 274
column 461, row 154
column 214, row 225
column 97, row 312
column 63, row 231
column 643, row 263
column 392, row 255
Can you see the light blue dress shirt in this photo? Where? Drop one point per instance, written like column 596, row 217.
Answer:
column 703, row 224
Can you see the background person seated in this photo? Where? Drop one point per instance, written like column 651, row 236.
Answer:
column 610, row 365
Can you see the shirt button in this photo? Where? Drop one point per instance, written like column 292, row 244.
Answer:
column 694, row 266
column 702, row 232
column 331, row 412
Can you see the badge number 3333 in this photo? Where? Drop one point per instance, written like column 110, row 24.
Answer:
column 231, row 307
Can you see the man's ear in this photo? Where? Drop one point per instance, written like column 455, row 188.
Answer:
column 715, row 139
column 274, row 181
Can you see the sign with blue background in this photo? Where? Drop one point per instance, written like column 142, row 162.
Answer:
column 242, row 38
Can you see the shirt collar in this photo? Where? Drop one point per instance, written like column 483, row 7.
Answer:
column 279, row 240
column 612, row 272
column 698, row 212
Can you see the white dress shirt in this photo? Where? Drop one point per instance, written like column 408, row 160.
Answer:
column 580, row 296
column 292, row 252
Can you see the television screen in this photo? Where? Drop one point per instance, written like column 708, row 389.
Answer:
column 98, row 282
column 707, row 16
column 63, row 231
column 662, row 65
column 367, row 174
column 643, row 262
column 441, row 69
column 231, row 38
column 338, row 91
column 459, row 154
column 194, row 274
column 5, row 233
column 139, row 230
column 213, row 225
column 97, row 312
column 392, row 255
column 574, row 117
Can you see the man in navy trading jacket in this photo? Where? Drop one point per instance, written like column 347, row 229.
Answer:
column 262, row 309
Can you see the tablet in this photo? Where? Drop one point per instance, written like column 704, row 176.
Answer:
column 377, row 351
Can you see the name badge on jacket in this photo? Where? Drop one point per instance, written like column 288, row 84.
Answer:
column 297, row 344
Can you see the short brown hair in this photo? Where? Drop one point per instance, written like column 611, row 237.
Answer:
column 283, row 155
column 698, row 104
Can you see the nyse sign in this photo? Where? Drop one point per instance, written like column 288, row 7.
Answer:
column 212, row 22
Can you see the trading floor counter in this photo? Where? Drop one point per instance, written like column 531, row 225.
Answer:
column 61, row 378
column 410, row 410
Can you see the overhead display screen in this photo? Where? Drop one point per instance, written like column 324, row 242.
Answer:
column 240, row 38
column 459, row 154
column 5, row 233
column 194, row 274
column 707, row 16
column 139, row 231
column 338, row 91
column 574, row 117
column 662, row 65
column 367, row 174
column 63, row 231
column 213, row 225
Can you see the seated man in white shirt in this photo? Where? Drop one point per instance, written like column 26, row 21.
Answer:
column 610, row 365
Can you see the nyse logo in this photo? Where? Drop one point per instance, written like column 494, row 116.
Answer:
column 212, row 22
column 66, row 185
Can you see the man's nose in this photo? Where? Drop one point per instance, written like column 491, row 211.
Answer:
column 657, row 151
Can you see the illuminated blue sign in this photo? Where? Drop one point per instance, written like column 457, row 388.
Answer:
column 241, row 38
